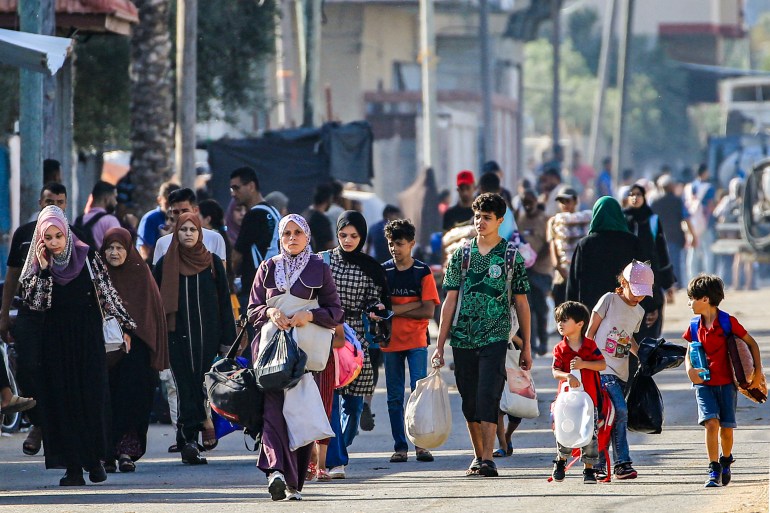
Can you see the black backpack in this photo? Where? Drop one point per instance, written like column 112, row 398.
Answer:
column 85, row 231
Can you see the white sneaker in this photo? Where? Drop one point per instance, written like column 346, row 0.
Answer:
column 337, row 472
column 292, row 494
column 276, row 486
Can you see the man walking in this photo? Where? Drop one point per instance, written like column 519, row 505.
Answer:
column 477, row 317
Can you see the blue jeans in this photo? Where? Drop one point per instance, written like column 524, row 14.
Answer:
column 417, row 359
column 615, row 388
column 346, row 412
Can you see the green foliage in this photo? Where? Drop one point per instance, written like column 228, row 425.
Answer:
column 235, row 37
column 102, row 93
column 657, row 124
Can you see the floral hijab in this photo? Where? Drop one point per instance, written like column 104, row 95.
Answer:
column 288, row 267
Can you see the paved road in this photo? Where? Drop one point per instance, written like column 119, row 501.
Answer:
column 671, row 466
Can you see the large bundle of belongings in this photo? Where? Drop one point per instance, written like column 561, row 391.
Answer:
column 568, row 229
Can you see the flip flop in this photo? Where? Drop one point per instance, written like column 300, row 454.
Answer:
column 488, row 469
column 210, row 440
column 499, row 453
column 473, row 470
column 17, row 404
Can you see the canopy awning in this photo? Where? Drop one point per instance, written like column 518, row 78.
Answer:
column 35, row 52
column 93, row 16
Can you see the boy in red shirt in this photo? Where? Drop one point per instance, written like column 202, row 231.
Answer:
column 414, row 297
column 716, row 397
column 576, row 351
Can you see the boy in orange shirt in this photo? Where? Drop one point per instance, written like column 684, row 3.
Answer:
column 414, row 297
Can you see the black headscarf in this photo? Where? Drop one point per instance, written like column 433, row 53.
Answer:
column 368, row 265
column 641, row 213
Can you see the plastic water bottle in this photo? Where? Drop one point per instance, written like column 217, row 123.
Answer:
column 698, row 360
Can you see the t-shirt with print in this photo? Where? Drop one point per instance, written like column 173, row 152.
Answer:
column 619, row 323
column 715, row 345
column 485, row 316
column 408, row 286
column 563, row 354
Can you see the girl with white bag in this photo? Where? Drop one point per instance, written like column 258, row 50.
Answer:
column 295, row 275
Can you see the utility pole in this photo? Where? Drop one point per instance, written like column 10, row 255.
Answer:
column 555, row 42
column 35, row 16
column 428, row 64
column 280, row 71
column 623, row 74
column 488, row 133
column 186, row 73
column 312, row 61
column 604, row 59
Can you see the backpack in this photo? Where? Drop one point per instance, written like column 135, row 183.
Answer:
column 274, row 247
column 85, row 231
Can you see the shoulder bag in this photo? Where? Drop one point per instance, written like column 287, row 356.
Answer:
column 113, row 334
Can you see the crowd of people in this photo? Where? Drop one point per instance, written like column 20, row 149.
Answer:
column 173, row 284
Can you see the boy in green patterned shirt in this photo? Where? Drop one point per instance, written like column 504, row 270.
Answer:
column 479, row 338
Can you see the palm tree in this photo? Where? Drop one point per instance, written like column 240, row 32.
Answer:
column 151, row 97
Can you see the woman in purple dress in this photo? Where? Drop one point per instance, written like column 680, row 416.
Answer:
column 296, row 271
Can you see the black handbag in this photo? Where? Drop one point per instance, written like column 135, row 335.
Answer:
column 233, row 392
column 281, row 363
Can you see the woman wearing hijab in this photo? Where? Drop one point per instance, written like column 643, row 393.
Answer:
column 293, row 276
column 57, row 279
column 196, row 300
column 643, row 223
column 360, row 281
column 601, row 255
column 133, row 378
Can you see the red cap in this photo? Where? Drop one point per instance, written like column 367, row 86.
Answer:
column 465, row 178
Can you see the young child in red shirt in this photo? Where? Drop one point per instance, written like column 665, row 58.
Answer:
column 576, row 351
column 716, row 397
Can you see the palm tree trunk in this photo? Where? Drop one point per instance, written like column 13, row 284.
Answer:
column 151, row 95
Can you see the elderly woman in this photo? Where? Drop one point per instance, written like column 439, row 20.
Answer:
column 601, row 255
column 360, row 280
column 196, row 300
column 133, row 378
column 67, row 281
column 644, row 223
column 294, row 273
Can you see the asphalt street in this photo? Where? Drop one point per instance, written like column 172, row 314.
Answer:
column 672, row 466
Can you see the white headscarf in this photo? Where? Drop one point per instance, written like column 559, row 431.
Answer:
column 288, row 267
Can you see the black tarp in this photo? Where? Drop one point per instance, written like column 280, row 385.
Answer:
column 294, row 161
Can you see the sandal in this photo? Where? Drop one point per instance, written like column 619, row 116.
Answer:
column 312, row 471
column 424, row 455
column 399, row 457
column 323, row 475
column 126, row 464
column 488, row 469
column 499, row 453
column 474, row 468
column 34, row 441
column 509, row 451
column 174, row 448
column 210, row 440
column 110, row 466
column 17, row 404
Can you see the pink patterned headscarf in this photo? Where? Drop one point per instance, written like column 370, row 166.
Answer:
column 67, row 265
column 288, row 267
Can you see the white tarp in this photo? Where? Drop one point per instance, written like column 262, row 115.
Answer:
column 44, row 54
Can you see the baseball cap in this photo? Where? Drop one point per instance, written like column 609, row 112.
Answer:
column 567, row 192
column 640, row 277
column 465, row 177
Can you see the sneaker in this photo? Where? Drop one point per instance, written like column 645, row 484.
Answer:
column 625, row 471
column 589, row 476
column 726, row 474
column 600, row 473
column 559, row 470
column 276, row 486
column 337, row 472
column 367, row 418
column 292, row 494
column 715, row 475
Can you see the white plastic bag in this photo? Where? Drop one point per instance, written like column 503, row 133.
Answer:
column 428, row 415
column 573, row 416
column 519, row 397
column 303, row 409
